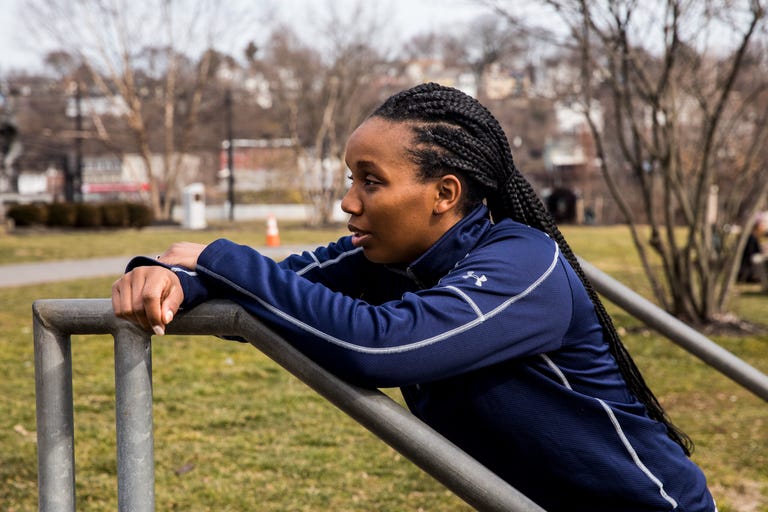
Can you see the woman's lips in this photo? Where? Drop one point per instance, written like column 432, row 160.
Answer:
column 358, row 237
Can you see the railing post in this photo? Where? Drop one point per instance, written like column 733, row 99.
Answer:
column 54, row 321
column 133, row 418
column 55, row 421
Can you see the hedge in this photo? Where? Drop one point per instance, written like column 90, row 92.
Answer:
column 24, row 215
column 81, row 215
column 62, row 215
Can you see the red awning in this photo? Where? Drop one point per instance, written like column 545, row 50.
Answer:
column 104, row 188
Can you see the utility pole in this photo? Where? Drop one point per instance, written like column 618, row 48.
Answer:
column 73, row 173
column 77, row 181
column 230, row 155
column 10, row 147
column 8, row 137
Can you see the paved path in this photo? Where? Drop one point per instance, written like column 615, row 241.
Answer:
column 22, row 274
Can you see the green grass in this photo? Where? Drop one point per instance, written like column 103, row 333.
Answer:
column 35, row 245
column 233, row 431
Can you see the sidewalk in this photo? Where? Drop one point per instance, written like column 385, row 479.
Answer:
column 23, row 274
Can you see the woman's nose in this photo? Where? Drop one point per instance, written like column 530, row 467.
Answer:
column 350, row 203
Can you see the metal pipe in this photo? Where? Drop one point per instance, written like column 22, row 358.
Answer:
column 463, row 475
column 55, row 421
column 418, row 442
column 133, row 421
column 679, row 332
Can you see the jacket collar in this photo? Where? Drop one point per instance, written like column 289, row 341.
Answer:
column 450, row 248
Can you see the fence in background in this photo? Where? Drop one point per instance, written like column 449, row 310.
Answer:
column 56, row 320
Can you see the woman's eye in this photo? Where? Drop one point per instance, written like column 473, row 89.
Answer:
column 371, row 180
column 365, row 180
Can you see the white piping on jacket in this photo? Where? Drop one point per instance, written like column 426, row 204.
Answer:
column 326, row 263
column 620, row 432
column 399, row 349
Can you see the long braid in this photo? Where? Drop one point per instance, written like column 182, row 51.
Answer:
column 457, row 134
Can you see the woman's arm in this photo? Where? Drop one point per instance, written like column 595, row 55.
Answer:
column 522, row 308
column 153, row 290
column 331, row 265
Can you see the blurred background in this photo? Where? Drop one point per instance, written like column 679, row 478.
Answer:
column 281, row 83
column 638, row 113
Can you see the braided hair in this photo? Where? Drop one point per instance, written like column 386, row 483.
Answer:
column 455, row 134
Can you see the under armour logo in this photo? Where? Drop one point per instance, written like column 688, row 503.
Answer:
column 479, row 280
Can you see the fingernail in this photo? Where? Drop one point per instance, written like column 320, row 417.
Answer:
column 168, row 316
column 158, row 329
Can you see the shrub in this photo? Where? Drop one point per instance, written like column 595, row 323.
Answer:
column 62, row 215
column 88, row 215
column 139, row 215
column 114, row 215
column 24, row 215
column 82, row 215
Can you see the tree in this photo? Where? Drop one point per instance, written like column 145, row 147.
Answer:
column 490, row 40
column 156, row 56
column 683, row 89
column 325, row 95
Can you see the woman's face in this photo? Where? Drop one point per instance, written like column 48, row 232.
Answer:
column 394, row 216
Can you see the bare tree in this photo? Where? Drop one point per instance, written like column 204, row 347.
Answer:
column 682, row 89
column 153, row 54
column 490, row 40
column 326, row 94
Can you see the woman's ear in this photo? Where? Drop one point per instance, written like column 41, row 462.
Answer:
column 448, row 194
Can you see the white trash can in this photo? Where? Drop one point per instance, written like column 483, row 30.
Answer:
column 193, row 203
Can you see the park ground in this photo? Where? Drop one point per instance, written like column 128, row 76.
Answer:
column 233, row 430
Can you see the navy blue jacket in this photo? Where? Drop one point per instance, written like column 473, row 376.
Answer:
column 494, row 343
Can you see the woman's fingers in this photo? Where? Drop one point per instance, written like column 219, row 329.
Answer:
column 182, row 253
column 148, row 296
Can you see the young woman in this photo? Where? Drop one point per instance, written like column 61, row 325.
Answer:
column 456, row 286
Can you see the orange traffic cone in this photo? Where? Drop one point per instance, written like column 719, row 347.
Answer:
column 273, row 234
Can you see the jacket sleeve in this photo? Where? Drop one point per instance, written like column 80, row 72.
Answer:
column 330, row 265
column 327, row 265
column 486, row 310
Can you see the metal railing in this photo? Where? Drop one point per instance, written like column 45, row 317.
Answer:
column 56, row 320
column 678, row 332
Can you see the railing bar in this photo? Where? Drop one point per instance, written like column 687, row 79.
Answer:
column 680, row 333
column 470, row 480
column 418, row 442
column 133, row 419
column 55, row 419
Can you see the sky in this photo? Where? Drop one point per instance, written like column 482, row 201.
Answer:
column 410, row 17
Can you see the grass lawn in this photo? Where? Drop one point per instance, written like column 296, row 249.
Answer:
column 233, row 431
column 35, row 245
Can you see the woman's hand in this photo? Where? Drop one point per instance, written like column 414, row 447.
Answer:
column 149, row 296
column 184, row 254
